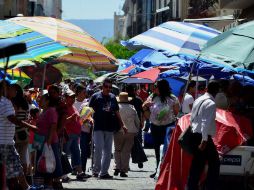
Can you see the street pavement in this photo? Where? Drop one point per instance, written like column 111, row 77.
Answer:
column 138, row 179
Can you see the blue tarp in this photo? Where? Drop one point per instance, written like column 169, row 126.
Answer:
column 123, row 64
column 147, row 58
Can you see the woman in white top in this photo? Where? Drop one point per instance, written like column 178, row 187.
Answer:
column 164, row 107
column 124, row 141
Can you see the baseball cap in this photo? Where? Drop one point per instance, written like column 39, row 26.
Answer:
column 69, row 93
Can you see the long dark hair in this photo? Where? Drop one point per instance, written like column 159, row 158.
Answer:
column 164, row 90
column 19, row 100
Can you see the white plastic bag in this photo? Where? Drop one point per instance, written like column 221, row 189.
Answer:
column 47, row 161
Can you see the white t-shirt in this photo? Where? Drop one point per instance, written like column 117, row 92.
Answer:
column 7, row 128
column 188, row 99
column 78, row 104
column 162, row 113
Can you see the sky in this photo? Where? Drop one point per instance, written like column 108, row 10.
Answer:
column 90, row 9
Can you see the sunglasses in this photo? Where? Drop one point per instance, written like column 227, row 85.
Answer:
column 107, row 86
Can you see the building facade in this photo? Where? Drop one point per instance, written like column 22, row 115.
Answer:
column 119, row 21
column 141, row 15
column 11, row 8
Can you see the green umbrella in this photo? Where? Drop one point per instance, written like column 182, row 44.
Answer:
column 234, row 47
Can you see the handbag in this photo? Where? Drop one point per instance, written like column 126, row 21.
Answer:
column 185, row 139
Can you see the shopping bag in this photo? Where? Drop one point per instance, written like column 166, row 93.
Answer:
column 65, row 164
column 184, row 140
column 47, row 161
column 137, row 153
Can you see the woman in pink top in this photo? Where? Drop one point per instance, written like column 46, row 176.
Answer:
column 47, row 128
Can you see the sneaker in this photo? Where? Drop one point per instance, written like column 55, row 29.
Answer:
column 66, row 180
column 117, row 171
column 140, row 165
column 83, row 176
column 95, row 175
column 153, row 175
column 106, row 176
column 123, row 174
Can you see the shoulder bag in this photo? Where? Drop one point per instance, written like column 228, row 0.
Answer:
column 185, row 139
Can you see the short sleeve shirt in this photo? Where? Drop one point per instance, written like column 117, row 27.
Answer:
column 187, row 101
column 72, row 126
column 45, row 121
column 162, row 112
column 7, row 128
column 104, row 107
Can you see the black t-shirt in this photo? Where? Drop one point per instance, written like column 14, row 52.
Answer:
column 137, row 103
column 104, row 108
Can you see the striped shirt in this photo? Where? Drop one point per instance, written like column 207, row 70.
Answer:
column 22, row 133
column 7, row 129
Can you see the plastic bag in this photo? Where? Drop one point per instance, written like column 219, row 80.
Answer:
column 47, row 161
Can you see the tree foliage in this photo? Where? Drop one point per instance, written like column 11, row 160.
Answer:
column 119, row 51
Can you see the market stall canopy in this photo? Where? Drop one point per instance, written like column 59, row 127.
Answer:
column 145, row 77
column 173, row 38
column 234, row 47
column 86, row 51
column 123, row 64
column 40, row 48
column 152, row 58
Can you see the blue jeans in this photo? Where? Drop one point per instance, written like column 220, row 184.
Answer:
column 102, row 151
column 85, row 140
column 72, row 147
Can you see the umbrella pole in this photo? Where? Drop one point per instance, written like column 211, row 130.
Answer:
column 197, row 84
column 43, row 77
column 5, row 74
column 188, row 82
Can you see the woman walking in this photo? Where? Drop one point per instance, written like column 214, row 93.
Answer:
column 47, row 130
column 164, row 107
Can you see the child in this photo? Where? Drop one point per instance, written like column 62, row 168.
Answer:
column 34, row 115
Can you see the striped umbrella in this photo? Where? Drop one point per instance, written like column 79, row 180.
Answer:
column 173, row 38
column 19, row 75
column 86, row 50
column 40, row 48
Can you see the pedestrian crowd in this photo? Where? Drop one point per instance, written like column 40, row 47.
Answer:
column 77, row 121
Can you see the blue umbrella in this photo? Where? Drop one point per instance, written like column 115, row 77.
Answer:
column 173, row 38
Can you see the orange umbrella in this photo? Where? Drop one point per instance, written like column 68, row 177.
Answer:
column 86, row 51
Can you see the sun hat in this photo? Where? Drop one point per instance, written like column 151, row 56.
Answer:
column 123, row 97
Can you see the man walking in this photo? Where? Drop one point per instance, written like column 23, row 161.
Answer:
column 105, row 108
column 203, row 127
